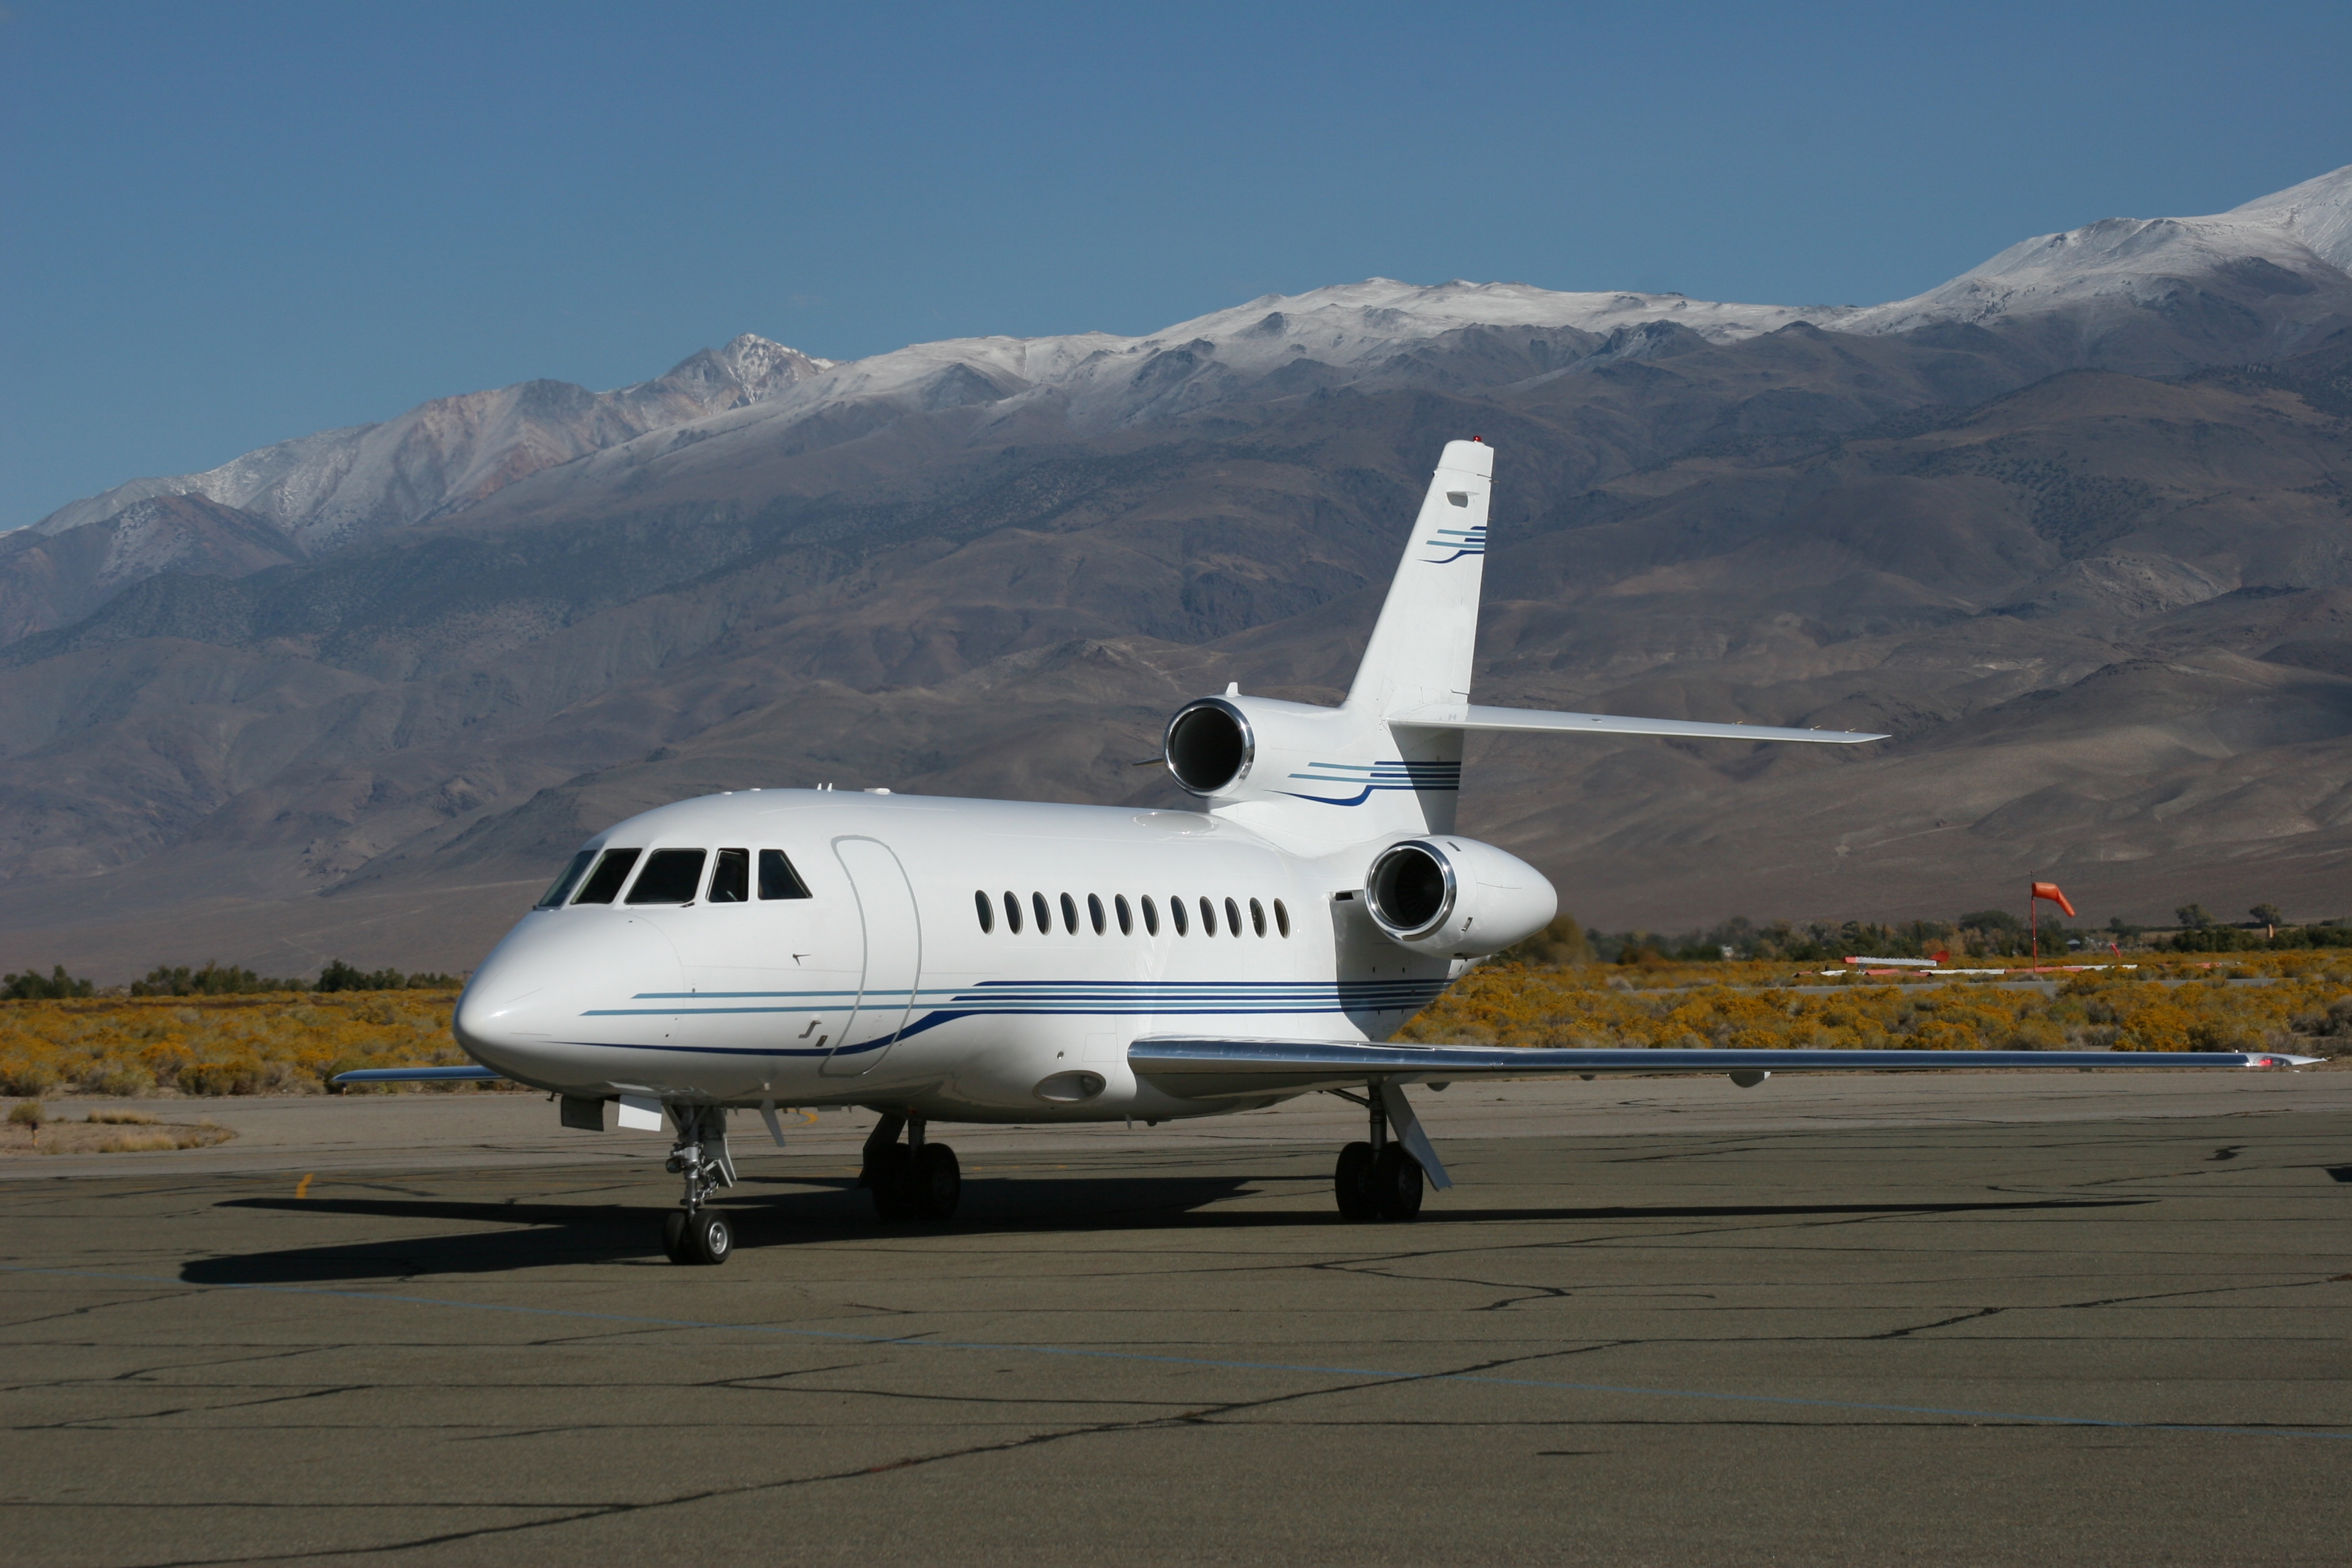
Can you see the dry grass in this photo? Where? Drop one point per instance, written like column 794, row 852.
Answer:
column 292, row 1044
column 135, row 1047
column 106, row 1136
column 2179, row 1006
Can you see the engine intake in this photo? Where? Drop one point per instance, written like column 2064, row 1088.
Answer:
column 1209, row 746
column 1411, row 890
column 1457, row 897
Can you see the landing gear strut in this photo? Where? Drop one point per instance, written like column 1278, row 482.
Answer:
column 1376, row 1180
column 691, row 1233
column 913, row 1180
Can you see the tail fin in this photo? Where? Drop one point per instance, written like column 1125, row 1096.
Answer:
column 1419, row 653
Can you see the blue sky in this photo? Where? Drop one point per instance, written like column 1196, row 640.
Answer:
column 223, row 225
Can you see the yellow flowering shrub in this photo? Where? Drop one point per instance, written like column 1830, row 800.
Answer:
column 270, row 1044
column 2306, row 1007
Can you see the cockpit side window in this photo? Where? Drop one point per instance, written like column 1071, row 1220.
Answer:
column 730, row 879
column 561, row 889
column 777, row 877
column 605, row 882
column 670, row 876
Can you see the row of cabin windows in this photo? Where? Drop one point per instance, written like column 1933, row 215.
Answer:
column 673, row 877
column 1121, row 911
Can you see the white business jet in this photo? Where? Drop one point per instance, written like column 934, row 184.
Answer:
column 997, row 961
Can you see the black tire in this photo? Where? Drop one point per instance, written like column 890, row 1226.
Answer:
column 1352, row 1182
column 885, row 1177
column 1396, row 1185
column 936, row 1184
column 709, row 1238
column 674, row 1236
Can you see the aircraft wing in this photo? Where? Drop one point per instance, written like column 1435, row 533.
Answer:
column 467, row 1074
column 1467, row 716
column 1199, row 1069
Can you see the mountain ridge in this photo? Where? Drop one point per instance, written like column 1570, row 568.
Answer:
column 2102, row 609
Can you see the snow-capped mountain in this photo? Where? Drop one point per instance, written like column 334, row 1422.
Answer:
column 325, row 489
column 2148, row 295
column 2290, row 251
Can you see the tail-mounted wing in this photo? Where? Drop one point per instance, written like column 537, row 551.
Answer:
column 1530, row 721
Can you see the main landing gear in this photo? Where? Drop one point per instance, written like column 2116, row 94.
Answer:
column 913, row 1180
column 691, row 1233
column 1376, row 1179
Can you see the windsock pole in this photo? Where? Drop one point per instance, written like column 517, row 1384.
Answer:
column 2035, row 893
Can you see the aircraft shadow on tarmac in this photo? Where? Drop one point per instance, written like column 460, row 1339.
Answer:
column 549, row 1235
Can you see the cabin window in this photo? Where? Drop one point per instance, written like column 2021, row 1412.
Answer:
column 730, row 879
column 1257, row 917
column 1208, row 917
column 777, row 877
column 1044, row 915
column 1012, row 912
column 1126, row 915
column 1150, row 916
column 986, row 911
column 1069, row 914
column 605, row 882
column 1233, row 919
column 1176, row 913
column 561, row 889
column 670, row 876
column 1281, row 918
column 1095, row 912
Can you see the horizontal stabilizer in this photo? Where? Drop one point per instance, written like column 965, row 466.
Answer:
column 1199, row 1069
column 1530, row 721
column 467, row 1074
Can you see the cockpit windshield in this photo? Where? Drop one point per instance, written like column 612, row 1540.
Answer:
column 730, row 882
column 561, row 889
column 777, row 877
column 605, row 882
column 675, row 877
column 670, row 876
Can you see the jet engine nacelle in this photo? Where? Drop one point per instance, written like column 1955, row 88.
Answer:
column 1457, row 897
column 1234, row 748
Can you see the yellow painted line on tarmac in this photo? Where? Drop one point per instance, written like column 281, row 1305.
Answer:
column 302, row 1187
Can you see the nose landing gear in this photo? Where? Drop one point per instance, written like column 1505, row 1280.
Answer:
column 914, row 1180
column 691, row 1233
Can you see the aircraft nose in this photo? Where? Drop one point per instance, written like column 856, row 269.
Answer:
column 533, row 986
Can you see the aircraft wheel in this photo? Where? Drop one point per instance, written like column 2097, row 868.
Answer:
column 674, row 1236
column 935, row 1183
column 886, row 1178
column 1395, row 1184
column 709, row 1238
column 1352, row 1182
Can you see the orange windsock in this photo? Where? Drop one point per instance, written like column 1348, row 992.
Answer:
column 2049, row 890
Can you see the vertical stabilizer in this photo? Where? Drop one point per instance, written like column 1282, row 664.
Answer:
column 1419, row 653
column 1330, row 776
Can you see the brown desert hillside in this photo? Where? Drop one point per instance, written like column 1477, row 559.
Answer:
column 2100, row 613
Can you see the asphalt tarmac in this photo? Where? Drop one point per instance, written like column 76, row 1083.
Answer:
column 1976, row 1319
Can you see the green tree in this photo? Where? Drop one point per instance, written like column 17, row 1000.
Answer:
column 1992, row 932
column 2267, row 915
column 33, row 986
column 2192, row 917
column 1563, row 942
column 211, row 979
